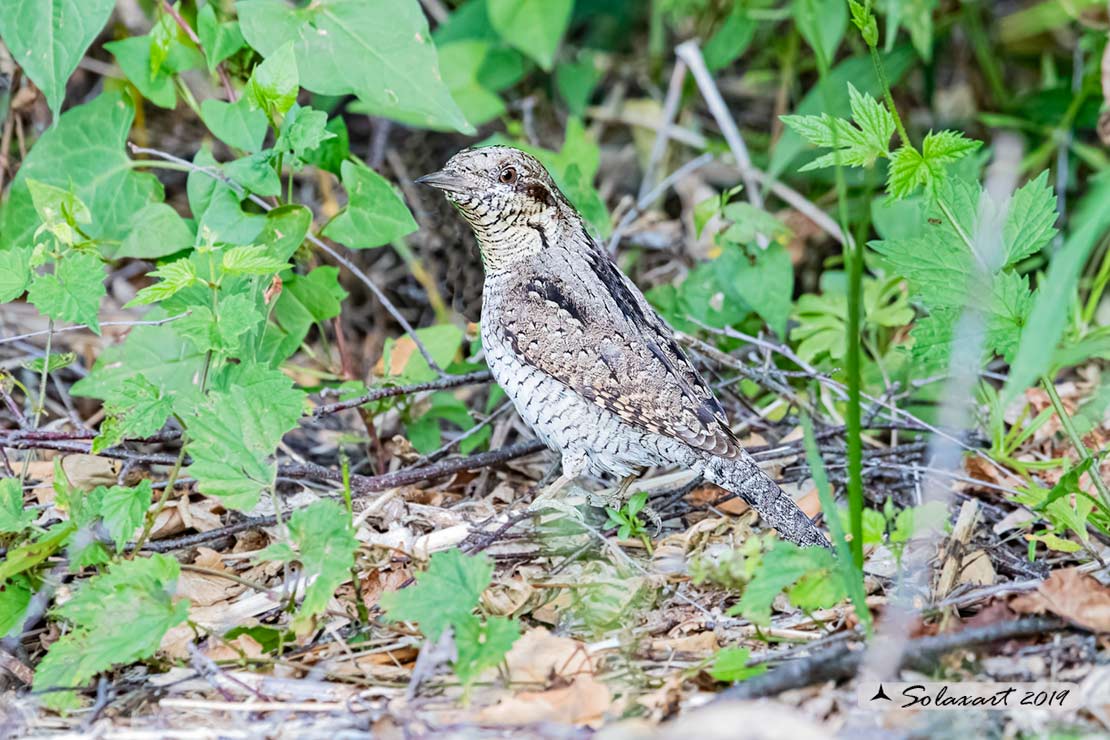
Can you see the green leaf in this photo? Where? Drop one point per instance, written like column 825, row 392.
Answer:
column 1030, row 220
column 235, row 430
column 217, row 208
column 72, row 292
column 59, row 210
column 324, row 543
column 828, row 97
column 15, row 597
column 13, row 517
column 138, row 409
column 822, row 24
column 123, row 509
column 224, row 332
column 374, row 214
column 731, row 664
column 253, row 259
column 284, row 230
column 332, row 152
column 85, row 150
column 444, row 595
column 15, row 272
column 47, row 38
column 158, row 231
column 52, row 363
column 762, row 278
column 235, row 124
column 134, row 58
column 220, row 40
column 910, row 168
column 442, row 342
column 379, row 51
column 274, row 84
column 534, row 27
column 462, row 63
column 303, row 130
column 304, row 301
column 173, row 277
column 784, row 565
column 855, row 146
column 732, row 38
column 576, row 81
column 140, row 590
column 1047, row 319
column 481, row 644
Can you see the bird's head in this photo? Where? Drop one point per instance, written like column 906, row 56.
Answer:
column 508, row 198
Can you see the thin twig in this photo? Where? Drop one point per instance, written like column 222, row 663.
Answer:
column 658, row 190
column 670, row 110
column 82, row 327
column 690, row 53
column 447, row 381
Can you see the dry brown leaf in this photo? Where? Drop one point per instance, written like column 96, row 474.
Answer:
column 688, row 647
column 507, row 597
column 89, row 471
column 583, row 702
column 539, row 656
column 1072, row 595
column 976, row 569
column 243, row 645
column 205, row 590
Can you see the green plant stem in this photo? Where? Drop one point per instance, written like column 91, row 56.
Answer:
column 40, row 403
column 151, row 517
column 884, row 83
column 1076, row 438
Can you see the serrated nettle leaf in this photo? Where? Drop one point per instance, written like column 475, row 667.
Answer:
column 123, row 510
column 482, row 644
column 374, row 214
column 138, row 409
column 85, row 151
column 783, row 566
column 944, row 147
column 303, row 130
column 234, row 432
column 275, row 82
column 255, row 173
column 864, row 20
column 534, row 27
column 13, row 517
column 856, row 145
column 873, row 119
column 173, row 277
column 72, row 292
column 253, row 259
column 47, row 38
column 396, row 75
column 222, row 332
column 142, row 589
column 158, row 231
column 1031, row 219
column 323, row 542
column 219, row 39
column 235, row 124
column 444, row 595
column 55, row 361
column 15, row 272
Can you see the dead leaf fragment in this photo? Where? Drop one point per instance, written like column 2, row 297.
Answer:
column 539, row 656
column 1072, row 595
column 583, row 702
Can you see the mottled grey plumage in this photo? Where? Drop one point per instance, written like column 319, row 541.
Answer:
column 590, row 365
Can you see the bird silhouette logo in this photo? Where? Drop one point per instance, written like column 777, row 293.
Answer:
column 880, row 694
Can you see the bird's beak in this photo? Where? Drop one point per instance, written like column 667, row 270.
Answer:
column 445, row 180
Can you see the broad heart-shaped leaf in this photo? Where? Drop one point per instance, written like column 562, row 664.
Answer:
column 234, row 431
column 235, row 124
column 378, row 50
column 762, row 278
column 374, row 214
column 72, row 292
column 304, row 300
column 133, row 56
column 535, row 27
column 158, row 231
column 84, row 150
column 47, row 38
column 220, row 40
column 324, row 544
column 217, row 208
column 462, row 62
column 118, row 617
column 444, row 595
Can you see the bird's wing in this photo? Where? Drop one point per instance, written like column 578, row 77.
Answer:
column 596, row 333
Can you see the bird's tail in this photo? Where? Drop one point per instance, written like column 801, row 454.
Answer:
column 742, row 476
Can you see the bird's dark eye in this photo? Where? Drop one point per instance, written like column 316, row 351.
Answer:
column 508, row 175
